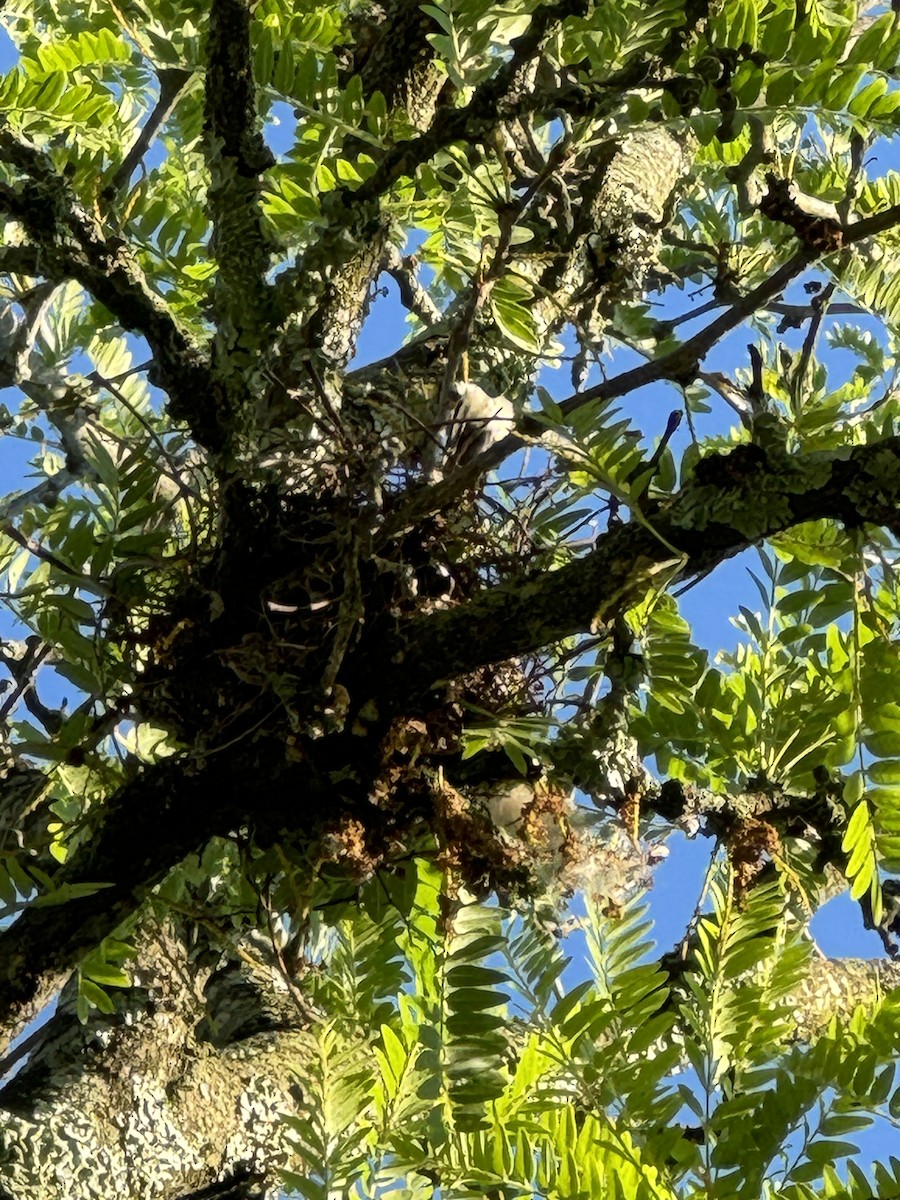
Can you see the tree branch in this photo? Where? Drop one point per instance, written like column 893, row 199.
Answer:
column 471, row 122
column 392, row 56
column 71, row 246
column 415, row 298
column 353, row 213
column 733, row 500
column 680, row 365
column 217, row 1105
column 147, row 827
column 144, row 829
column 236, row 156
column 836, row 987
column 172, row 83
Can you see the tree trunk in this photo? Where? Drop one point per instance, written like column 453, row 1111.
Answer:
column 182, row 1087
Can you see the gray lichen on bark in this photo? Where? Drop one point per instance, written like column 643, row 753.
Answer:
column 138, row 1103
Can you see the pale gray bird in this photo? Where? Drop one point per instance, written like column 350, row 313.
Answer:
column 478, row 422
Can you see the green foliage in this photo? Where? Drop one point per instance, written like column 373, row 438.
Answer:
column 488, row 1073
column 229, row 516
column 587, row 1087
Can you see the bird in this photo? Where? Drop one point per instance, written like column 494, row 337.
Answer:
column 478, row 422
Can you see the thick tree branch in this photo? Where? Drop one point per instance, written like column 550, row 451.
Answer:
column 112, row 1092
column 733, row 500
column 475, row 119
column 836, row 987
column 150, row 825
column 71, row 246
column 236, row 156
column 392, row 55
column 323, row 299
column 167, row 811
column 354, row 214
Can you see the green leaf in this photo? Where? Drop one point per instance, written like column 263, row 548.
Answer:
column 514, row 320
column 108, row 976
column 95, row 997
column 65, row 893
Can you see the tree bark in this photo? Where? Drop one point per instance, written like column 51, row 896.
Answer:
column 168, row 1094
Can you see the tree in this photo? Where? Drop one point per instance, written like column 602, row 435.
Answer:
column 353, row 673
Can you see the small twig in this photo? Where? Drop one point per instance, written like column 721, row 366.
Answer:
column 759, row 152
column 174, row 474
column 756, row 392
column 299, row 1001
column 23, row 670
column 36, row 305
column 35, row 548
column 73, row 245
column 130, row 30
column 332, row 413
column 691, row 315
column 46, row 493
column 795, row 314
column 820, row 307
column 858, row 146
column 22, row 1050
column 461, row 331
column 674, row 420
column 484, row 279
column 172, row 82
column 735, row 397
